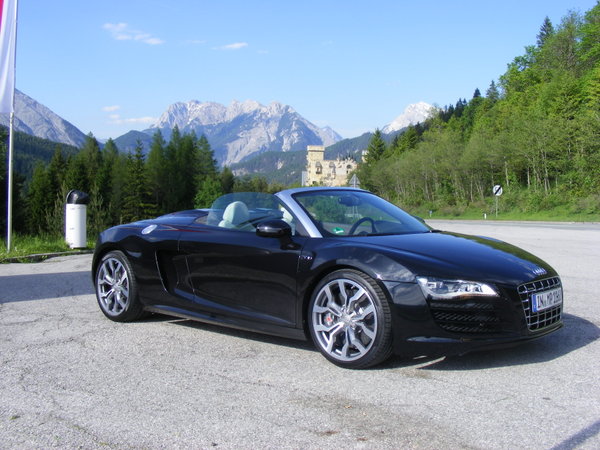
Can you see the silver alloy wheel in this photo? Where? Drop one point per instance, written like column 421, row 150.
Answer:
column 112, row 286
column 344, row 319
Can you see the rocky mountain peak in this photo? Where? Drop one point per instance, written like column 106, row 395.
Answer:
column 244, row 128
column 36, row 119
column 237, row 108
column 412, row 114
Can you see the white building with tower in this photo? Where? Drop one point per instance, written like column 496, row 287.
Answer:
column 326, row 172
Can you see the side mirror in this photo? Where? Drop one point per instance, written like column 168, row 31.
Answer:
column 275, row 228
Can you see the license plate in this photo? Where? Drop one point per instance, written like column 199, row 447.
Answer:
column 545, row 300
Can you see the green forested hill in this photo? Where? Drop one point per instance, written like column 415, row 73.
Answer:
column 30, row 150
column 278, row 167
column 536, row 132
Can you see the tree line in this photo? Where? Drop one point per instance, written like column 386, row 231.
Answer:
column 536, row 132
column 123, row 187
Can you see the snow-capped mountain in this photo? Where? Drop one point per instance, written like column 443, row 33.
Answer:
column 413, row 114
column 35, row 119
column 244, row 128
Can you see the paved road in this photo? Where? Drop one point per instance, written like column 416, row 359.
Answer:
column 71, row 378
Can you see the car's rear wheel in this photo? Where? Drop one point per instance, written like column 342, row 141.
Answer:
column 350, row 320
column 116, row 288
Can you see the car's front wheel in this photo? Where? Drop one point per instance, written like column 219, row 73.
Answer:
column 350, row 320
column 116, row 288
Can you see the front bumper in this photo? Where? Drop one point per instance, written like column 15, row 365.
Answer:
column 424, row 327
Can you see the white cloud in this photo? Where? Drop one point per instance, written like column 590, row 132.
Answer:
column 111, row 108
column 143, row 120
column 234, row 46
column 116, row 119
column 195, row 42
column 123, row 32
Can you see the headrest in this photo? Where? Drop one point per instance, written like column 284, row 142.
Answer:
column 236, row 213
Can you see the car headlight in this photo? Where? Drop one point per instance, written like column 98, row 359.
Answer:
column 437, row 288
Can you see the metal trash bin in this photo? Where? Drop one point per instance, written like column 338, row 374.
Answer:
column 75, row 219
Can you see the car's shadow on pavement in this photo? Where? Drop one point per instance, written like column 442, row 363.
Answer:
column 243, row 334
column 43, row 286
column 576, row 333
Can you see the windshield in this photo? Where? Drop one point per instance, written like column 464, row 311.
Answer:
column 356, row 213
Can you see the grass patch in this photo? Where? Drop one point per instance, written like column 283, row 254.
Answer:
column 542, row 216
column 557, row 214
column 24, row 246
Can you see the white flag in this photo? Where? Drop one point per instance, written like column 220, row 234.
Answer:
column 8, row 41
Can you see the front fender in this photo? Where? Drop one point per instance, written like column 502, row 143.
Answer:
column 316, row 261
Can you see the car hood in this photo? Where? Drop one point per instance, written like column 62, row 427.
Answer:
column 443, row 254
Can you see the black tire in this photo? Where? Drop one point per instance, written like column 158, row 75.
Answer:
column 116, row 288
column 350, row 320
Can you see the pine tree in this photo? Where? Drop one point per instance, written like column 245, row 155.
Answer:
column 157, row 167
column 92, row 157
column 492, row 93
column 227, row 180
column 206, row 158
column 209, row 191
column 376, row 151
column 376, row 148
column 136, row 202
column 56, row 175
column 56, row 170
column 19, row 213
column 546, row 30
column 171, row 189
column 404, row 141
column 38, row 200
column 188, row 167
column 208, row 181
column 76, row 176
column 98, row 213
column 560, row 49
column 119, row 174
column 103, row 190
column 55, row 217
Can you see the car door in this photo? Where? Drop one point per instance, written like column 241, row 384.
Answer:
column 237, row 274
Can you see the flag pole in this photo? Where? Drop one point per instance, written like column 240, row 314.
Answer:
column 10, row 179
column 7, row 44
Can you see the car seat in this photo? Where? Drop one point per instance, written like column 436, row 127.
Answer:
column 236, row 216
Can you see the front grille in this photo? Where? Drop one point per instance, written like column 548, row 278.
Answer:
column 467, row 317
column 547, row 317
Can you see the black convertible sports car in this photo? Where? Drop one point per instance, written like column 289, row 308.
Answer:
column 361, row 277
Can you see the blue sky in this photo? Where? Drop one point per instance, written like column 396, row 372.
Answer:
column 110, row 66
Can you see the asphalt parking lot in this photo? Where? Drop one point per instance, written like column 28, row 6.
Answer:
column 71, row 378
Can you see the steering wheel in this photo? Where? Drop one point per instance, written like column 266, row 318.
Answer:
column 359, row 222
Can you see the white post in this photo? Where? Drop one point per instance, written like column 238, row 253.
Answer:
column 10, row 182
column 9, row 50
